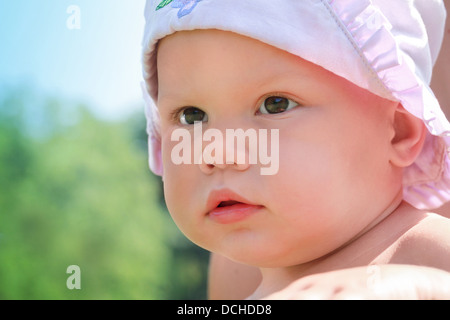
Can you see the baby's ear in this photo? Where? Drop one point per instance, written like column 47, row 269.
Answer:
column 409, row 137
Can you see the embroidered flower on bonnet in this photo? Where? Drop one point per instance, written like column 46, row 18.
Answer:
column 185, row 6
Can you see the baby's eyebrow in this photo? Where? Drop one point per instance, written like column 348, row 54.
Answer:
column 174, row 99
column 169, row 93
column 265, row 80
column 166, row 99
column 282, row 82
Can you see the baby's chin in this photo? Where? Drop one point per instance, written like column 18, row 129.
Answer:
column 266, row 259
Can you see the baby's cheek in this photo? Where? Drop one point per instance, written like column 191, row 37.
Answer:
column 173, row 190
column 314, row 179
column 305, row 164
column 175, row 182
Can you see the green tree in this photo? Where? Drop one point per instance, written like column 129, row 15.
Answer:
column 79, row 192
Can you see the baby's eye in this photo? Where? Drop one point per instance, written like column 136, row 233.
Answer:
column 275, row 104
column 190, row 115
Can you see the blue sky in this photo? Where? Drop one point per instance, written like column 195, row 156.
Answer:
column 98, row 64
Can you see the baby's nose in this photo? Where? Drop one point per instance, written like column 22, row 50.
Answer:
column 235, row 159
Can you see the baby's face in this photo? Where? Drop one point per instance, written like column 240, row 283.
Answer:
column 334, row 176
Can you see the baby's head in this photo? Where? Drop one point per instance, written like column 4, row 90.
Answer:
column 353, row 127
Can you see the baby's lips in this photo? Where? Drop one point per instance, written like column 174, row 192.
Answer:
column 225, row 197
column 234, row 213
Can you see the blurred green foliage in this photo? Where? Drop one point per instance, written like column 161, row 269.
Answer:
column 76, row 190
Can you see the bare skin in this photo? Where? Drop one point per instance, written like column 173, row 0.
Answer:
column 335, row 203
column 232, row 280
column 440, row 85
column 407, row 248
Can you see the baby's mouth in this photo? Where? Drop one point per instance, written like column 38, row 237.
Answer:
column 227, row 203
column 226, row 207
column 229, row 212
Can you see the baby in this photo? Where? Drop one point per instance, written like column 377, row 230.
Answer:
column 336, row 95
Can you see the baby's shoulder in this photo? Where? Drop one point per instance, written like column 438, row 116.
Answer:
column 427, row 243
